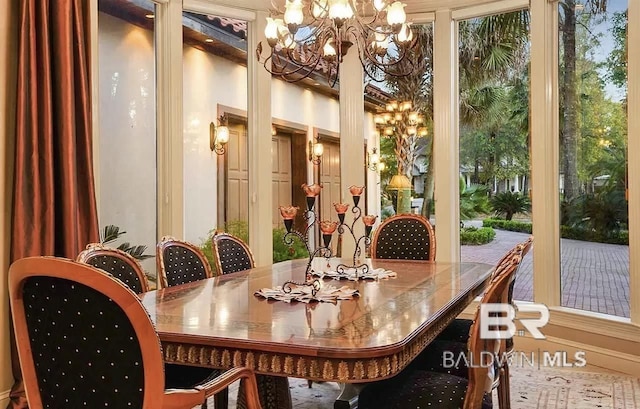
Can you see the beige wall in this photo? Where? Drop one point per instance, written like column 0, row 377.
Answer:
column 8, row 50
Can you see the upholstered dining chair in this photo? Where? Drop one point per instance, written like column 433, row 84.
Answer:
column 231, row 253
column 416, row 388
column 116, row 262
column 456, row 335
column 180, row 262
column 124, row 267
column 85, row 340
column 406, row 237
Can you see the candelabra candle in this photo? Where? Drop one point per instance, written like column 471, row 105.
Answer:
column 356, row 192
column 341, row 208
column 288, row 214
column 312, row 191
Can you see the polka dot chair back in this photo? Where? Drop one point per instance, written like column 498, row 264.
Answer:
column 180, row 262
column 232, row 254
column 405, row 237
column 83, row 337
column 119, row 264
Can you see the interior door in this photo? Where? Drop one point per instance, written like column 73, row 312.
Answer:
column 237, row 203
column 330, row 180
column 281, row 175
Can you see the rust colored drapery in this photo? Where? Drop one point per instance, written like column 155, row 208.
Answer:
column 54, row 205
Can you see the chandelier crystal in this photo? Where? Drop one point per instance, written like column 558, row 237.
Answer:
column 313, row 36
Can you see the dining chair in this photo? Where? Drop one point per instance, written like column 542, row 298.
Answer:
column 85, row 340
column 406, row 237
column 456, row 335
column 416, row 388
column 125, row 268
column 231, row 253
column 118, row 263
column 180, row 262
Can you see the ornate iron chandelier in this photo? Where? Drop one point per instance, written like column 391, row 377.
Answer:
column 314, row 35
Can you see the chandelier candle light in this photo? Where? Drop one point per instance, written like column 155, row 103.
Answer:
column 369, row 221
column 314, row 35
column 288, row 214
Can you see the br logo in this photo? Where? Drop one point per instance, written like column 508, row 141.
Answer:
column 497, row 320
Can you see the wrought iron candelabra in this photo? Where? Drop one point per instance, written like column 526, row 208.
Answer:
column 368, row 220
column 288, row 214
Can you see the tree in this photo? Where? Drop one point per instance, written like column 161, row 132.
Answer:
column 569, row 123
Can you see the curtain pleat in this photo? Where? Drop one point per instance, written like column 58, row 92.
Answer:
column 54, row 205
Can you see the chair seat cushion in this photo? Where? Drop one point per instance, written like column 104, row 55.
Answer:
column 443, row 356
column 417, row 389
column 458, row 331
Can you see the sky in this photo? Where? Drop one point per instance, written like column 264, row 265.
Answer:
column 607, row 43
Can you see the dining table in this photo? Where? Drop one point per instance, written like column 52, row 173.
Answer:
column 221, row 322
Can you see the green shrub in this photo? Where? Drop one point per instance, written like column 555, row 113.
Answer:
column 282, row 252
column 476, row 236
column 506, row 204
column 510, row 225
column 474, row 200
column 566, row 232
column 577, row 233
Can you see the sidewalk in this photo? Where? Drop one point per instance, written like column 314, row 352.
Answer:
column 595, row 276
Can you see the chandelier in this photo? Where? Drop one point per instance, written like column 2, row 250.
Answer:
column 311, row 36
column 399, row 119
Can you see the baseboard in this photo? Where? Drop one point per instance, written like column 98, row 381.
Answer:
column 595, row 356
column 4, row 398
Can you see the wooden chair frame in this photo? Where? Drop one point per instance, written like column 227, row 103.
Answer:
column 98, row 249
column 497, row 292
column 154, row 394
column 217, row 237
column 504, row 388
column 423, row 220
column 168, row 241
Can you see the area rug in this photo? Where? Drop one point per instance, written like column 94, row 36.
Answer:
column 571, row 389
column 531, row 388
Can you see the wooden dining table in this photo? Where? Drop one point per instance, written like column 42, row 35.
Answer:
column 221, row 323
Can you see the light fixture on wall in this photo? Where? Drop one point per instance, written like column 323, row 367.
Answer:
column 219, row 135
column 315, row 151
column 314, row 35
column 373, row 161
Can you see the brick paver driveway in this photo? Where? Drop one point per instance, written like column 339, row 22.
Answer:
column 595, row 276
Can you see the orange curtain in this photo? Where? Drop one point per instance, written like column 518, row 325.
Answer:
column 54, row 205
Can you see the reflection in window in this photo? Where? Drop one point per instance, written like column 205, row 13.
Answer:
column 127, row 122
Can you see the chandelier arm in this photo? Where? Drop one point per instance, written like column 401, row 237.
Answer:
column 317, row 31
column 405, row 66
column 365, row 24
column 304, row 70
column 275, row 9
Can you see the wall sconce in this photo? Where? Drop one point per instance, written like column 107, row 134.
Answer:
column 219, row 135
column 315, row 152
column 373, row 161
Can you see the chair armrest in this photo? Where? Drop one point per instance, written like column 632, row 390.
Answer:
column 188, row 398
column 228, row 377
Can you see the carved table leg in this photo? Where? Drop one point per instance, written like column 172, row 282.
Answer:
column 273, row 390
column 348, row 398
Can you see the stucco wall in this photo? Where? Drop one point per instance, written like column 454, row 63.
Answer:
column 8, row 50
column 127, row 128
